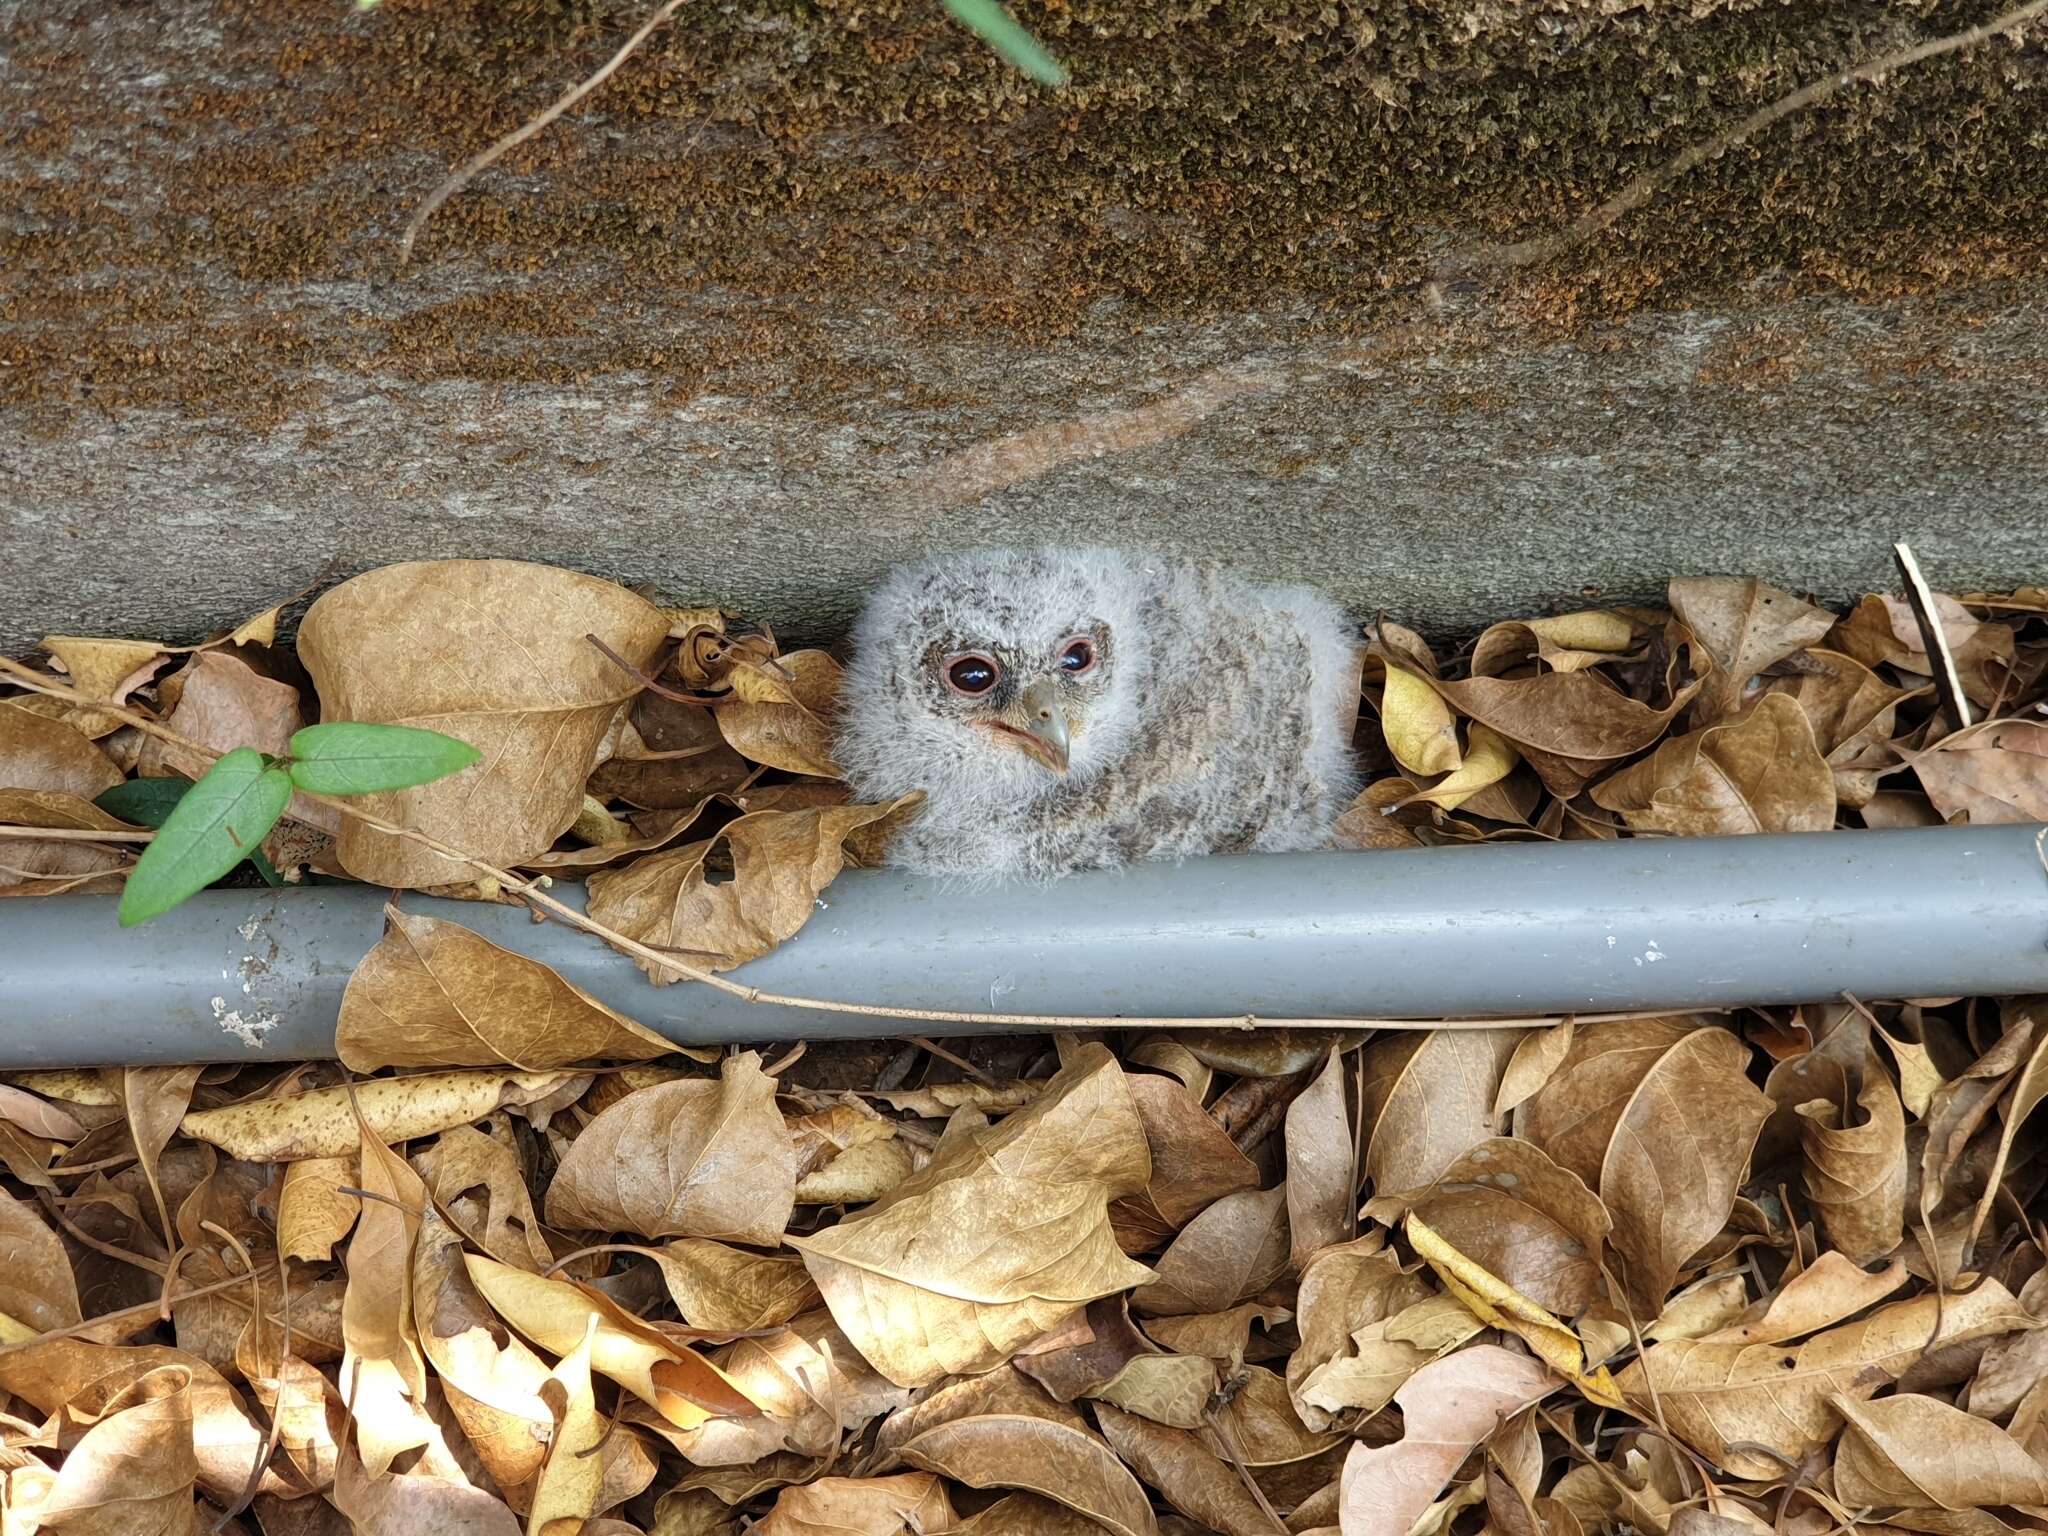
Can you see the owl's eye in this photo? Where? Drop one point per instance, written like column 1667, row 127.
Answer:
column 972, row 674
column 1077, row 656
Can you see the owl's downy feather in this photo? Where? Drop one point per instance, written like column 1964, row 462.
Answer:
column 1213, row 715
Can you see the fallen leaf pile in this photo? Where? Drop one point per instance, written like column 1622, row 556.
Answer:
column 512, row 1263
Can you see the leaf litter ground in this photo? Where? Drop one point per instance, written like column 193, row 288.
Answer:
column 514, row 1263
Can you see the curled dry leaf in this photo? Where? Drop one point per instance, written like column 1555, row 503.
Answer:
column 1819, row 1296
column 492, row 653
column 477, row 1181
column 1419, row 729
column 1856, row 1174
column 1760, row 771
column 1577, row 716
column 716, row 1286
column 1447, row 1408
column 1717, row 1396
column 104, row 670
column 1001, row 1236
column 1191, row 1477
column 781, row 861
column 677, row 1382
column 1194, row 1163
column 1746, row 626
column 572, row 1477
column 134, row 1470
column 224, row 703
column 1854, row 714
column 1346, row 1291
column 1914, row 1451
column 58, row 772
column 1233, row 1250
column 695, row 1158
column 436, row 994
column 400, row 1505
column 63, row 862
column 383, row 1373
column 790, row 725
column 321, row 1122
column 1882, row 629
column 312, row 1212
column 1566, row 642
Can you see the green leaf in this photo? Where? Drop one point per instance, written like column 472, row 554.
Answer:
column 145, row 802
column 354, row 759
column 219, row 822
column 987, row 20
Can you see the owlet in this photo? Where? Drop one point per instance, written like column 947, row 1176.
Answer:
column 1068, row 709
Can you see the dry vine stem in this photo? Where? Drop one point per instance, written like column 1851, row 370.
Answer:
column 535, row 892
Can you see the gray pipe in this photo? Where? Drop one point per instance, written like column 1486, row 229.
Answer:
column 1487, row 931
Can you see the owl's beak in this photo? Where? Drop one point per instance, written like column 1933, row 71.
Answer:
column 1038, row 725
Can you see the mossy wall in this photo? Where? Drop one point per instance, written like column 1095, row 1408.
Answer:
column 863, row 243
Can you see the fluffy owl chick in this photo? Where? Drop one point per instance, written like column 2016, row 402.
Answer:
column 1069, row 709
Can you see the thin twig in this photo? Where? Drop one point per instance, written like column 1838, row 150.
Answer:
column 72, row 835
column 140, row 1312
column 1948, row 682
column 1646, row 186
column 463, row 174
column 938, row 1050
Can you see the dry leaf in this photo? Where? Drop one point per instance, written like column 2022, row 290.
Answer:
column 1233, row 1250
column 1760, row 771
column 1989, row 776
column 731, row 1290
column 1856, row 1174
column 104, row 670
column 38, row 754
column 1193, row 1479
column 572, row 1478
column 37, row 1290
column 1819, row 1296
column 1194, row 1164
column 28, row 862
column 1917, row 1451
column 492, row 653
column 1429, row 1098
column 383, row 1374
column 1565, row 643
column 436, row 994
column 132, row 1473
column 789, row 727
column 725, row 1166
column 1420, row 731
column 476, row 1180
column 399, row 1505
column 321, row 1122
column 1854, row 714
column 312, row 1213
column 1346, row 1291
column 1572, row 715
column 1321, row 1188
column 1717, row 1395
column 1882, row 629
column 909, row 1504
column 1447, row 1408
column 1002, row 1235
column 1746, row 626
column 1494, row 1302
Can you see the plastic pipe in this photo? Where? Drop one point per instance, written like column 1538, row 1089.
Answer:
column 1497, row 930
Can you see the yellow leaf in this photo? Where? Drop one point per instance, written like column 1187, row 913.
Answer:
column 572, row 1477
column 1489, row 758
column 1420, row 731
column 321, row 1123
column 1495, row 1302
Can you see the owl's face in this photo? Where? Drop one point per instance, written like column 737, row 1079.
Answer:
column 1005, row 673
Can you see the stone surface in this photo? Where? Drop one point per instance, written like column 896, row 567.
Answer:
column 810, row 289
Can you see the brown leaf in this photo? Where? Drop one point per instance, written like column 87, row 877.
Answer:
column 1882, row 629
column 1717, row 1395
column 1193, row 1479
column 1819, row 1296
column 1856, row 1174
column 1042, row 1449
column 572, row 1478
column 132, row 1473
column 911, row 1503
column 312, row 1213
column 1429, row 1097
column 1447, row 1408
column 792, row 732
column 999, row 1238
column 2027, row 1095
column 1090, row 1349
column 1757, row 772
column 224, row 703
column 321, row 1123
column 477, row 1181
column 730, row 1289
column 1523, row 1218
column 28, row 862
column 38, row 754
column 1321, row 1193
column 725, row 1167
column 1537, row 1056
column 1746, row 625
column 1026, row 1514
column 1194, row 1163
column 106, row 670
column 1564, row 643
column 781, row 861
column 1233, row 1250
column 491, row 652
column 1854, row 714
column 1575, row 715
column 398, row 1505
column 154, row 1101
column 37, row 1291
column 436, row 994
column 1995, row 774
column 1916, row 1451
column 383, row 1373
column 1345, row 1291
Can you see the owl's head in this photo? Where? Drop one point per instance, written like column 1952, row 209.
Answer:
column 1002, row 672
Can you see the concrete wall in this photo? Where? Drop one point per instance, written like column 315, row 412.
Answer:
column 817, row 286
